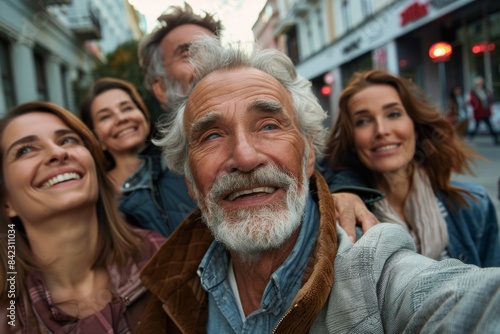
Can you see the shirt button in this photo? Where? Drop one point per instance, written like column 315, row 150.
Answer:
column 126, row 185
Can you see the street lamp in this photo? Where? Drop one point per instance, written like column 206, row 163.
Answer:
column 439, row 53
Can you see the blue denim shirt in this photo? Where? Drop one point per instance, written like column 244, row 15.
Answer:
column 285, row 282
column 473, row 231
column 155, row 198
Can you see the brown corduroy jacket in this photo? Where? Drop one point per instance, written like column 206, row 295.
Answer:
column 179, row 304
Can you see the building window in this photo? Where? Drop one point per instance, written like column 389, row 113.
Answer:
column 310, row 36
column 64, row 75
column 41, row 78
column 292, row 44
column 359, row 64
column 321, row 28
column 366, row 7
column 484, row 44
column 346, row 15
column 6, row 73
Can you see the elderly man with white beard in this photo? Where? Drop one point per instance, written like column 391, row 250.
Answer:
column 263, row 252
column 154, row 195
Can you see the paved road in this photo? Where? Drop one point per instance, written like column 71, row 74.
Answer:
column 486, row 172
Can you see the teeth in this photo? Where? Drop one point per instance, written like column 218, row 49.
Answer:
column 268, row 190
column 386, row 148
column 60, row 178
column 125, row 132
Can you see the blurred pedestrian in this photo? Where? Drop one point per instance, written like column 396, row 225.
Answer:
column 457, row 111
column 481, row 100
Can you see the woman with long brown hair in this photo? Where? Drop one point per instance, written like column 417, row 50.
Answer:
column 151, row 196
column 73, row 260
column 400, row 144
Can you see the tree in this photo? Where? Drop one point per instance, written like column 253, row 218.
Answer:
column 122, row 63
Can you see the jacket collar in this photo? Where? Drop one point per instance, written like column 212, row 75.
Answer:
column 171, row 274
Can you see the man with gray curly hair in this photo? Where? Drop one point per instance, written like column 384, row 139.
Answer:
column 260, row 253
column 163, row 53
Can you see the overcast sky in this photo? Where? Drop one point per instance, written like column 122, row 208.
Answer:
column 237, row 16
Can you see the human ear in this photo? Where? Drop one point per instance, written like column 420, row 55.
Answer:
column 159, row 91
column 9, row 210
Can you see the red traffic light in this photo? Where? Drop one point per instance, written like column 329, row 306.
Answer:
column 440, row 51
column 326, row 90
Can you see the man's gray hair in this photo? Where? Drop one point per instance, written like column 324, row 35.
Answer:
column 209, row 55
column 151, row 53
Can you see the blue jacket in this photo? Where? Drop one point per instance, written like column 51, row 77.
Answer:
column 473, row 231
column 154, row 197
column 348, row 181
column 473, row 234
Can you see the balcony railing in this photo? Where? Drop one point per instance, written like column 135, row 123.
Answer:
column 86, row 25
column 55, row 2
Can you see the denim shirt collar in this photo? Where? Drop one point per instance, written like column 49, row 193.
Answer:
column 284, row 283
column 147, row 173
column 139, row 179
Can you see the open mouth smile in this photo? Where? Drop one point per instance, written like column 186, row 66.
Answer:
column 385, row 148
column 126, row 132
column 60, row 178
column 255, row 191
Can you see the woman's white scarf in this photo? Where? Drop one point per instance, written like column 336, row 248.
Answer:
column 424, row 219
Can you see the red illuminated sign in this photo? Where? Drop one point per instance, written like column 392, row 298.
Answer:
column 413, row 12
column 482, row 47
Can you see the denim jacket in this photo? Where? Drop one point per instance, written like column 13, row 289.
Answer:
column 473, row 235
column 473, row 231
column 154, row 197
column 348, row 181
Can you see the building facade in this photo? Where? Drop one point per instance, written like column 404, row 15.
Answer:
column 118, row 22
column 332, row 39
column 47, row 45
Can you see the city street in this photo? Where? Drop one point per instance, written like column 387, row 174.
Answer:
column 486, row 172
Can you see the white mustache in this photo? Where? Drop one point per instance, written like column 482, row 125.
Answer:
column 226, row 183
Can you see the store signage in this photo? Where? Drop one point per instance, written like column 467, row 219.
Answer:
column 438, row 4
column 352, row 46
column 413, row 12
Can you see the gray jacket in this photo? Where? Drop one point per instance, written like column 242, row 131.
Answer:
column 382, row 286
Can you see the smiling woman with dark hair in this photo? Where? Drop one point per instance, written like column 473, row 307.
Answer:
column 151, row 196
column 116, row 113
column 76, row 260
